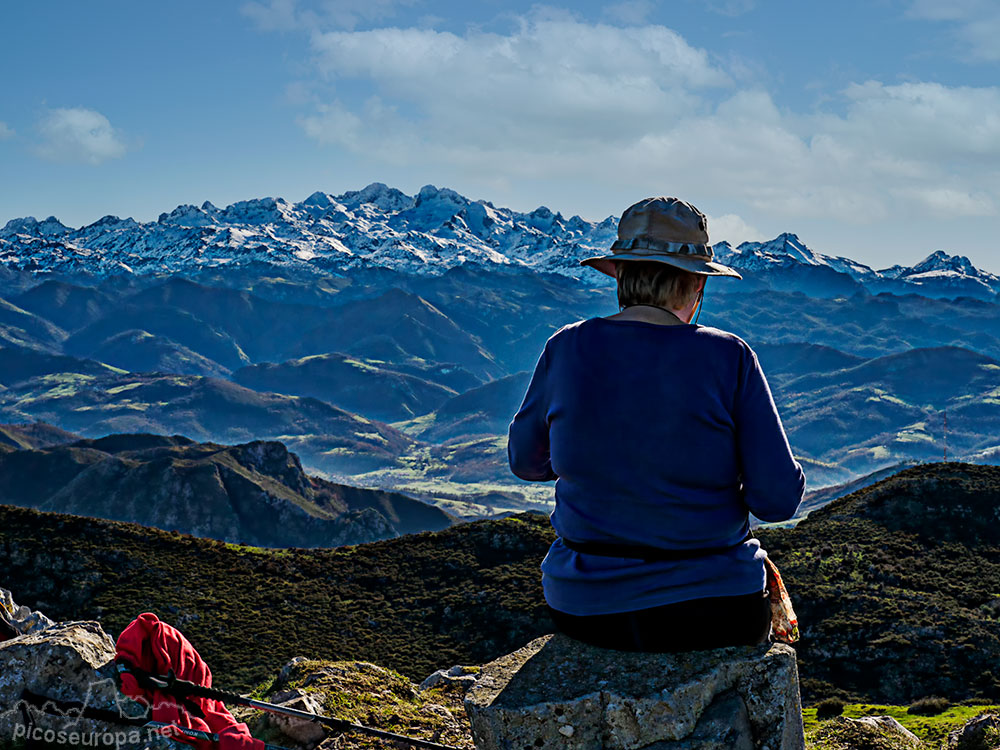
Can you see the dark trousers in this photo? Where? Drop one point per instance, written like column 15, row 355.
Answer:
column 692, row 625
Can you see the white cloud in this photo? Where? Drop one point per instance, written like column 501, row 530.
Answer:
column 5, row 132
column 976, row 25
column 334, row 123
column 78, row 135
column 926, row 120
column 557, row 99
column 562, row 83
column 649, row 57
column 733, row 229
column 946, row 202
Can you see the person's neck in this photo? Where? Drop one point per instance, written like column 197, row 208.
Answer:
column 649, row 313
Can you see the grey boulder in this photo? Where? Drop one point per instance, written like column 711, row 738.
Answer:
column 975, row 734
column 68, row 662
column 560, row 693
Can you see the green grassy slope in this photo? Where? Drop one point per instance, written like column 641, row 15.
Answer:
column 897, row 587
column 411, row 604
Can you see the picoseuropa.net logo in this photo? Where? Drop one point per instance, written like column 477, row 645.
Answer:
column 50, row 723
column 73, row 738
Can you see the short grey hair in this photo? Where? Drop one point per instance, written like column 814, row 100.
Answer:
column 654, row 283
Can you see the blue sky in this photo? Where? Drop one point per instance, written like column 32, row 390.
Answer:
column 871, row 129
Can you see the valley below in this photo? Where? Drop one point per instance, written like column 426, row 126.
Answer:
column 418, row 397
column 388, row 339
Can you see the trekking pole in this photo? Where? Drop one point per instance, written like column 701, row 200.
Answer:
column 171, row 685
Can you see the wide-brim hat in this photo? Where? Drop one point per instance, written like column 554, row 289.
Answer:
column 664, row 230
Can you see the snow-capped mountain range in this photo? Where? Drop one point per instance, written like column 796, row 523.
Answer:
column 428, row 233
column 377, row 226
column 937, row 275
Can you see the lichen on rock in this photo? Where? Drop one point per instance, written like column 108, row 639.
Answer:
column 362, row 693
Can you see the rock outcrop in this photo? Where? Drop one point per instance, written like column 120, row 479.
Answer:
column 979, row 733
column 458, row 676
column 17, row 619
column 560, row 693
column 69, row 662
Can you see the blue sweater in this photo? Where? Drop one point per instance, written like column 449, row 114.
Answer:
column 660, row 435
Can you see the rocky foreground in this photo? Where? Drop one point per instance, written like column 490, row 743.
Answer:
column 73, row 662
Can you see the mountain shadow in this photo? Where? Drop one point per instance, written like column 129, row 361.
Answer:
column 416, row 326
column 24, row 329
column 140, row 351
column 378, row 389
column 486, row 409
column 68, row 306
column 33, row 435
column 18, row 364
column 205, row 409
column 174, row 324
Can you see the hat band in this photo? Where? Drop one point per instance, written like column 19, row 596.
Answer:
column 648, row 246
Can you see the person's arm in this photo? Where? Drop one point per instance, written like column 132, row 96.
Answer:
column 773, row 482
column 528, row 432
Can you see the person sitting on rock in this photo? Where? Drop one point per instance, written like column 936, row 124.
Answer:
column 662, row 436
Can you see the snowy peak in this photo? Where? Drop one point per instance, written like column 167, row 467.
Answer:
column 431, row 195
column 258, row 211
column 379, row 195
column 787, row 251
column 189, row 216
column 940, row 261
column 322, row 206
column 939, row 274
column 319, row 199
column 29, row 225
column 784, row 246
column 111, row 223
column 426, row 234
column 544, row 220
column 941, row 267
column 955, row 274
column 432, row 208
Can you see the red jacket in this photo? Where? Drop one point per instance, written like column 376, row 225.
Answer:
column 156, row 647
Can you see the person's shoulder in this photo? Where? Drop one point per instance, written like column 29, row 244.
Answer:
column 725, row 344
column 569, row 329
column 721, row 337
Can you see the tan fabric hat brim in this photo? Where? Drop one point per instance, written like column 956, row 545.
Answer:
column 691, row 264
